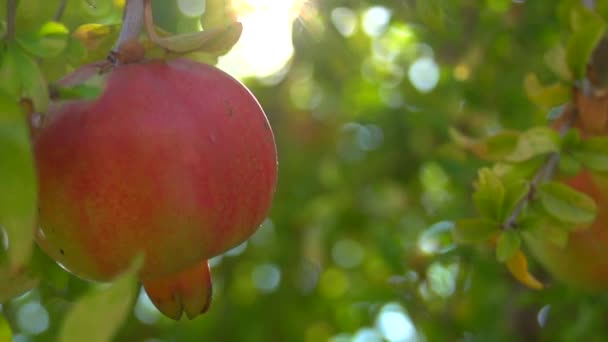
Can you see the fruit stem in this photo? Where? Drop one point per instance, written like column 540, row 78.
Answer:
column 132, row 25
column 11, row 12
column 545, row 172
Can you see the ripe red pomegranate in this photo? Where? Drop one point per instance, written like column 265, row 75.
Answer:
column 175, row 159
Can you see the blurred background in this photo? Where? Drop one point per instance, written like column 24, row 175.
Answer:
column 361, row 96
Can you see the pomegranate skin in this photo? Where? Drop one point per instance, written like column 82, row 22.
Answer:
column 175, row 159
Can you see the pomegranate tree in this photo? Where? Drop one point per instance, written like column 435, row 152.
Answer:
column 175, row 159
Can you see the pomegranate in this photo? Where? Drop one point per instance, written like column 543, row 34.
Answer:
column 175, row 159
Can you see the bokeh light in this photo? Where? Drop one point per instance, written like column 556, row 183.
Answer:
column 265, row 46
column 395, row 325
column 33, row 318
column 345, row 20
column 145, row 310
column 192, row 8
column 424, row 74
column 266, row 277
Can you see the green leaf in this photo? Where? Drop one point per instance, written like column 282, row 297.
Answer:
column 536, row 141
column 82, row 91
column 545, row 96
column 593, row 153
column 543, row 231
column 589, row 29
column 567, row 204
column 556, row 61
column 18, row 198
column 10, row 81
column 569, row 165
column 102, row 310
column 5, row 330
column 489, row 194
column 508, row 243
column 492, row 148
column 14, row 282
column 49, row 41
column 22, row 78
column 34, row 86
column 515, row 192
column 475, row 230
column 500, row 145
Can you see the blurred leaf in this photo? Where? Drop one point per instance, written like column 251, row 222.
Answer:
column 34, row 86
column 92, row 36
column 556, row 61
column 82, row 91
column 567, row 204
column 538, row 228
column 489, row 194
column 545, row 96
column 501, row 144
column 588, row 31
column 432, row 13
column 15, row 282
column 215, row 41
column 475, row 230
column 49, row 41
column 5, row 330
column 493, row 148
column 507, row 245
column 10, row 81
column 102, row 310
column 22, row 78
column 518, row 266
column 535, row 141
column 515, row 192
column 18, row 196
column 593, row 153
column 568, row 165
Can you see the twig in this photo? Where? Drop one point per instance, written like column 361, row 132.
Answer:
column 11, row 12
column 544, row 173
column 132, row 26
column 60, row 10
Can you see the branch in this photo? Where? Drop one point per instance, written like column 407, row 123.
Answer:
column 544, row 173
column 11, row 12
column 60, row 10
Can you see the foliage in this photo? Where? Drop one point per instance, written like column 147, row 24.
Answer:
column 418, row 147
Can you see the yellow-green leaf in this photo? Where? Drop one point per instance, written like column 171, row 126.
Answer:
column 566, row 204
column 589, row 30
column 97, row 315
column 535, row 141
column 518, row 266
column 5, row 330
column 489, row 194
column 49, row 41
column 508, row 243
column 545, row 96
column 18, row 198
column 593, row 153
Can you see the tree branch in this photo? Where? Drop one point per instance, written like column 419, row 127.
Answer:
column 60, row 10
column 11, row 12
column 544, row 173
